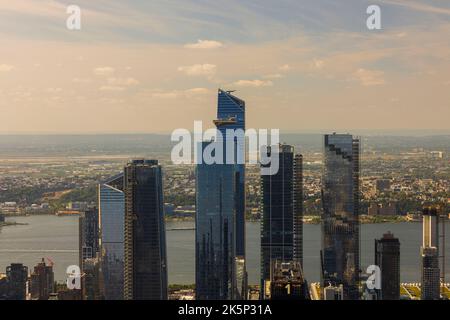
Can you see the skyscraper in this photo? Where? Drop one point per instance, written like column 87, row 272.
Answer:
column 88, row 235
column 340, row 217
column 281, row 207
column 111, row 222
column 145, row 275
column 231, row 116
column 430, row 255
column 220, row 208
column 387, row 257
column 215, row 231
column 42, row 281
column 16, row 277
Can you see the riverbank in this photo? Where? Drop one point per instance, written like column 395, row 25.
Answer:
column 364, row 219
column 12, row 223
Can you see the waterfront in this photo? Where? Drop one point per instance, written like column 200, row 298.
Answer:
column 56, row 238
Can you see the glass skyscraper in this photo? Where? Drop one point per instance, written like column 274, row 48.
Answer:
column 231, row 115
column 145, row 276
column 111, row 222
column 282, row 213
column 220, row 211
column 340, row 217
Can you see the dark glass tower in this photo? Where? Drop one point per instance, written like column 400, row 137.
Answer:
column 88, row 235
column 215, row 230
column 387, row 257
column 111, row 221
column 145, row 275
column 16, row 277
column 340, row 217
column 220, row 210
column 282, row 214
column 231, row 115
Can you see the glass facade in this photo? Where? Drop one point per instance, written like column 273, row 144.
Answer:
column 220, row 210
column 281, row 208
column 145, row 276
column 232, row 108
column 111, row 223
column 215, row 231
column 340, row 217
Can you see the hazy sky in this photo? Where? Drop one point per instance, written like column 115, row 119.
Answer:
column 153, row 66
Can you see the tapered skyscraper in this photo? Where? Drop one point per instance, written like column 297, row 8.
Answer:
column 340, row 217
column 281, row 209
column 231, row 115
column 220, row 210
column 145, row 276
column 111, row 222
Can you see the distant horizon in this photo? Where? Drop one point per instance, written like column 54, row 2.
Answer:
column 356, row 132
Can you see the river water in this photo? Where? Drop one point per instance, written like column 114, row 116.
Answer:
column 56, row 238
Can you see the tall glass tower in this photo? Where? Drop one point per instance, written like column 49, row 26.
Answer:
column 111, row 223
column 340, row 217
column 145, row 275
column 220, row 211
column 282, row 213
column 231, row 115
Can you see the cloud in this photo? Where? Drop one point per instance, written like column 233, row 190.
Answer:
column 318, row 64
column 273, row 76
column 253, row 83
column 174, row 94
column 6, row 67
column 81, row 80
column 111, row 88
column 285, row 67
column 369, row 77
column 199, row 70
column 123, row 82
column 196, row 91
column 419, row 7
column 204, row 44
column 104, row 71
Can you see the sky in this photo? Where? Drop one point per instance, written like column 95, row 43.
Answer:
column 140, row 66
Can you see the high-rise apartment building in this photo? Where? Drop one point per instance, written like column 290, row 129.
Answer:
column 42, row 281
column 340, row 217
column 431, row 286
column 387, row 257
column 111, row 223
column 145, row 274
column 281, row 214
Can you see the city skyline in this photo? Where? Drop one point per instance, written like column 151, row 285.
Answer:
column 123, row 150
column 299, row 58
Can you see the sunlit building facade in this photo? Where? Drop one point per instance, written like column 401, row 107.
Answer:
column 340, row 217
column 111, row 223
